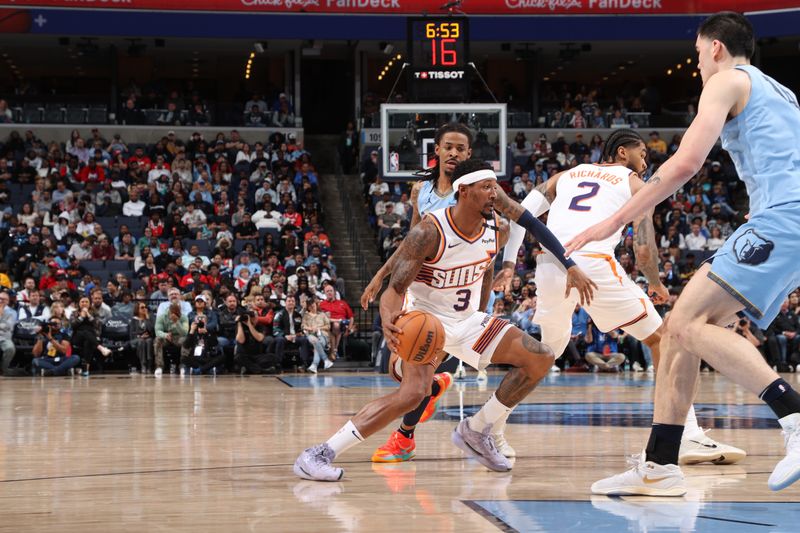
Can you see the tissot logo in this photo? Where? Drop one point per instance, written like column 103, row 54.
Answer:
column 439, row 75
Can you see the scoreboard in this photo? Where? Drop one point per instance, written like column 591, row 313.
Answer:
column 438, row 51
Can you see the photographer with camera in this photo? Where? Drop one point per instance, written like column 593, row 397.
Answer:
column 250, row 353
column 200, row 352
column 52, row 353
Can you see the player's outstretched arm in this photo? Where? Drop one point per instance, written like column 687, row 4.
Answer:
column 575, row 277
column 421, row 242
column 721, row 94
column 537, row 202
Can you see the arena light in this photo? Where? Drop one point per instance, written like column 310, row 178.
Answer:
column 669, row 72
column 694, row 74
column 688, row 60
column 678, row 66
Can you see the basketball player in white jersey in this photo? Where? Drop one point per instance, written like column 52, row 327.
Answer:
column 441, row 268
column 577, row 199
column 453, row 145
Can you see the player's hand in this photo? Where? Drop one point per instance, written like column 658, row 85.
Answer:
column 390, row 332
column 502, row 282
column 598, row 232
column 370, row 291
column 658, row 293
column 576, row 279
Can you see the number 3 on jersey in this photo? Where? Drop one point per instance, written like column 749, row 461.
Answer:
column 463, row 300
column 575, row 205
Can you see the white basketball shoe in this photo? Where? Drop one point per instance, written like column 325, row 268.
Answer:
column 646, row 478
column 503, row 446
column 703, row 449
column 787, row 471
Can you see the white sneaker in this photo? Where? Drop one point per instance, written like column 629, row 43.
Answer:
column 328, row 364
column 312, row 369
column 315, row 464
column 555, row 370
column 158, row 372
column 787, row 471
column 637, row 367
column 503, row 446
column 482, row 376
column 703, row 449
column 183, row 371
column 651, row 369
column 460, row 372
column 646, row 478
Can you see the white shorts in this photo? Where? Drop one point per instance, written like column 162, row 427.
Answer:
column 618, row 302
column 473, row 339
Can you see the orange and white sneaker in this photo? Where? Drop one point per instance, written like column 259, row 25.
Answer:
column 396, row 450
column 444, row 379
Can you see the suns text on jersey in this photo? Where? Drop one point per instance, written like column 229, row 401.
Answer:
column 454, row 277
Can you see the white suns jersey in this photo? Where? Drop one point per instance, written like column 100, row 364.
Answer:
column 586, row 195
column 449, row 285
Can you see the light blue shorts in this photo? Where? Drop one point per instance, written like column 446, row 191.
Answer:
column 759, row 264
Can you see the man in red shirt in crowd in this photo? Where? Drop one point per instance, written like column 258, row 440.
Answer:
column 142, row 160
column 91, row 172
column 341, row 315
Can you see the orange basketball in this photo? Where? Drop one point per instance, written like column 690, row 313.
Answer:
column 422, row 337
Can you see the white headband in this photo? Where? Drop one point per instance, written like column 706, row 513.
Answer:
column 474, row 177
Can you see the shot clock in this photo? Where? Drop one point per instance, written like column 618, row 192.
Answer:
column 438, row 50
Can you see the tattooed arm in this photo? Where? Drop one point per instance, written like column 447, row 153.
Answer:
column 644, row 238
column 415, row 216
column 421, row 242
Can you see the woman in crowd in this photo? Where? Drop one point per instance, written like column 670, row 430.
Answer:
column 86, row 328
column 317, row 328
column 142, row 334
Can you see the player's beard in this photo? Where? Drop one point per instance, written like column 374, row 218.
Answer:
column 488, row 214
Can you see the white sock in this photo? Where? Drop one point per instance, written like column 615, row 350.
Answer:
column 691, row 429
column 489, row 414
column 790, row 421
column 345, row 438
column 499, row 426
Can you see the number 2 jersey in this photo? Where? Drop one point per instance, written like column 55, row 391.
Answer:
column 449, row 285
column 586, row 195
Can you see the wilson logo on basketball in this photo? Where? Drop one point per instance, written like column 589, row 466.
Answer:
column 422, row 352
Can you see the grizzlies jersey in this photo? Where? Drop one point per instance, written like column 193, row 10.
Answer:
column 429, row 200
column 764, row 142
column 449, row 285
column 585, row 196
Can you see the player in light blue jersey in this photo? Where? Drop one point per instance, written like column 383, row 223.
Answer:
column 759, row 121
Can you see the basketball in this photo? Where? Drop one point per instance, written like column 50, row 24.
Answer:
column 422, row 337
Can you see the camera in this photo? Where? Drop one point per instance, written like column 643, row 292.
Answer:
column 201, row 324
column 245, row 315
column 45, row 329
column 742, row 323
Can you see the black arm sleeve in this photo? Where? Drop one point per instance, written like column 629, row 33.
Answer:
column 545, row 237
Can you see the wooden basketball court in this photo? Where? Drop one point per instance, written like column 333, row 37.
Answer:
column 132, row 453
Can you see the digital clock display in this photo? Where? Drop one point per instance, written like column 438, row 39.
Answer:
column 438, row 43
